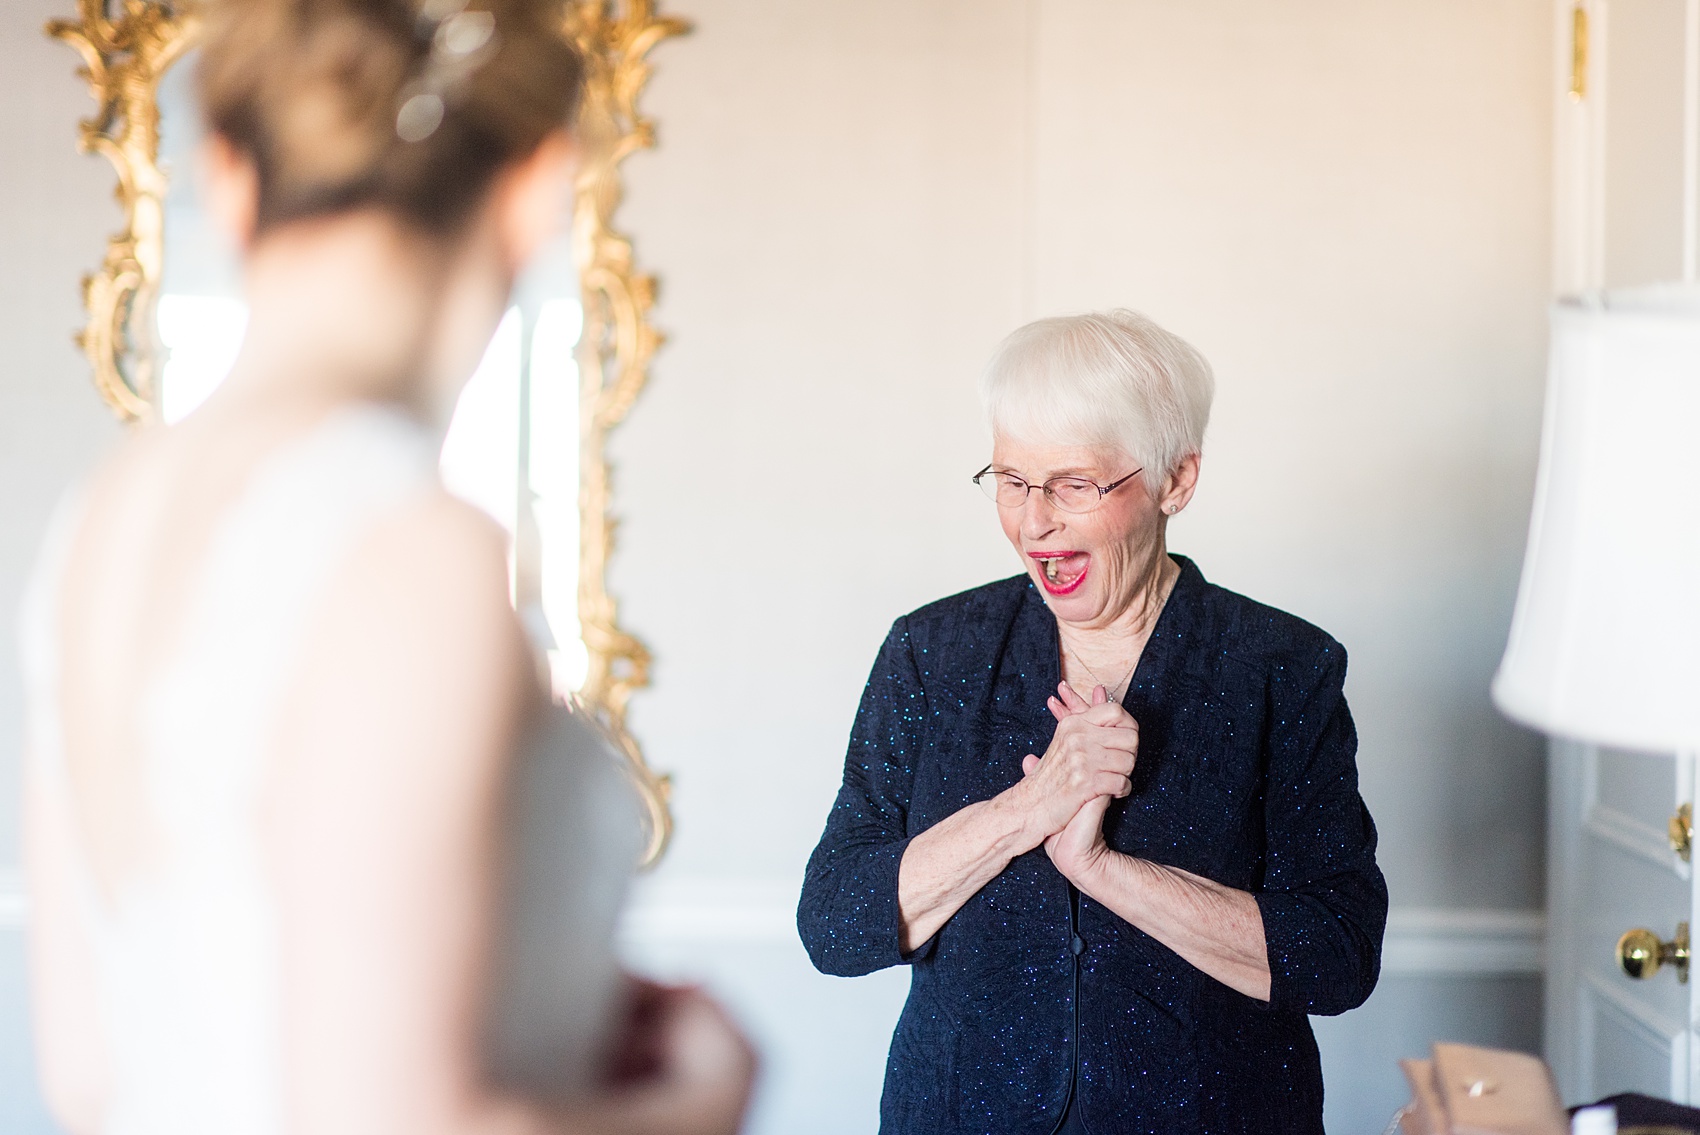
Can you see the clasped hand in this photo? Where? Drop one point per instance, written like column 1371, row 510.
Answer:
column 1089, row 762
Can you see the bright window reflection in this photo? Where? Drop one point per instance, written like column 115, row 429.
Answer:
column 481, row 460
column 201, row 335
column 552, row 461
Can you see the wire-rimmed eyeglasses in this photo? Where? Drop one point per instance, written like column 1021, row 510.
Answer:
column 1070, row 494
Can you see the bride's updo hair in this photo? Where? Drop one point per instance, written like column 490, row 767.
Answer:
column 410, row 106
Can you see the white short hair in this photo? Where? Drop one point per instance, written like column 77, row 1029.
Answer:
column 1106, row 378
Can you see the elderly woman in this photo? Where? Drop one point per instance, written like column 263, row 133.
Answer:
column 1107, row 811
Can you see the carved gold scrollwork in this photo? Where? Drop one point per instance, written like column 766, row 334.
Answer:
column 127, row 45
column 618, row 341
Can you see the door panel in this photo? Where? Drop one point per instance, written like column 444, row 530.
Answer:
column 1613, row 870
column 1631, row 1050
column 1633, row 798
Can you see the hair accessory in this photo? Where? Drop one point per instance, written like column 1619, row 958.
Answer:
column 461, row 41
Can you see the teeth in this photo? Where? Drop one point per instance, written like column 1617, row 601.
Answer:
column 1051, row 569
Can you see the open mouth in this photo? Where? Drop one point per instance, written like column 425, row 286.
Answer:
column 1061, row 572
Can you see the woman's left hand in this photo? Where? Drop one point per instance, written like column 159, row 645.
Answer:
column 1080, row 844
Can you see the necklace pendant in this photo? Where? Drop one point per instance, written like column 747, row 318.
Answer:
column 1109, row 691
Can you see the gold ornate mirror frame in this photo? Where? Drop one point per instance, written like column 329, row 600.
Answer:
column 127, row 45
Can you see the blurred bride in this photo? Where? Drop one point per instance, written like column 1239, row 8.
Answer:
column 276, row 688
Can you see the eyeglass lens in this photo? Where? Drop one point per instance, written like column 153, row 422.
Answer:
column 1070, row 494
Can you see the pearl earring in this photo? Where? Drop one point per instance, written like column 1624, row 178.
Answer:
column 1174, row 508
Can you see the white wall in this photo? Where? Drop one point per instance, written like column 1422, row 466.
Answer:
column 1345, row 205
column 55, row 213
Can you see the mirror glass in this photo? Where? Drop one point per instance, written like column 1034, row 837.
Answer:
column 512, row 447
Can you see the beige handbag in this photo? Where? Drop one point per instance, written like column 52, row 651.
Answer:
column 1462, row 1090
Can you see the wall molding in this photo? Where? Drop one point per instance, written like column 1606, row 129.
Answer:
column 750, row 912
column 1421, row 941
column 1484, row 942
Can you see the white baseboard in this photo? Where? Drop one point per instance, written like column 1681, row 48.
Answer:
column 751, row 912
column 755, row 913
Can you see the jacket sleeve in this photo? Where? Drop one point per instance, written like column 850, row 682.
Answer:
column 847, row 916
column 1323, row 900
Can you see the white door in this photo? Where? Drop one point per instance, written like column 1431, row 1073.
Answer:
column 1626, row 207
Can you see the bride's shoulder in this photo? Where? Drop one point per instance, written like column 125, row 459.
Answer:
column 414, row 648
column 434, row 558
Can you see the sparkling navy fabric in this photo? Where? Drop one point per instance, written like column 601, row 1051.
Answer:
column 1246, row 775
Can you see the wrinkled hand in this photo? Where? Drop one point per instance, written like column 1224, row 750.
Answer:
column 1091, row 756
column 1076, row 849
column 1078, row 846
column 679, row 1067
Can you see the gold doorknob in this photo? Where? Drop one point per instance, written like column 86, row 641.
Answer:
column 1640, row 953
column 1681, row 831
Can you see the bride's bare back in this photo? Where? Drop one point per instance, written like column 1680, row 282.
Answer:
column 134, row 540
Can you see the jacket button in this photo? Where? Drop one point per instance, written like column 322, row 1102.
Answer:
column 1076, row 946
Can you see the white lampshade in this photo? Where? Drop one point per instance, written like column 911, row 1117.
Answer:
column 1605, row 642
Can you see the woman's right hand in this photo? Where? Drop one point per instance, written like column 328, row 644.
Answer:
column 681, row 1067
column 1091, row 754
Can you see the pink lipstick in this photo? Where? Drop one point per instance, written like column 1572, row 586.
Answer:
column 1061, row 571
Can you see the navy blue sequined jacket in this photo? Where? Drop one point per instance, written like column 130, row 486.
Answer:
column 1246, row 775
